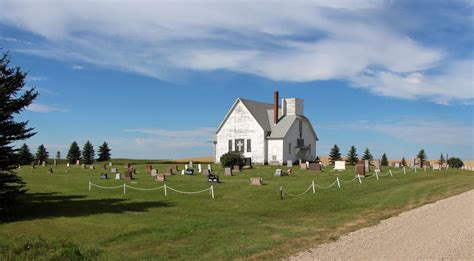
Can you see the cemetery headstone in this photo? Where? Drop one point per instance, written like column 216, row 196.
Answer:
column 113, row 170
column 377, row 164
column 169, row 172
column 43, row 163
column 206, row 172
column 91, row 167
column 110, row 164
column 340, row 165
column 315, row 166
column 186, row 166
column 154, row 172
column 289, row 163
column 182, row 172
column 160, row 177
column 55, row 162
column 209, row 167
column 236, row 169
column 83, row 166
column 103, row 175
column 300, row 162
column 51, row 170
column 279, row 173
column 303, row 166
column 228, row 171
column 307, row 164
column 127, row 165
column 199, row 168
column 256, row 181
column 248, row 162
column 360, row 168
column 191, row 166
column 128, row 174
column 149, row 168
column 117, row 175
column 366, row 165
column 78, row 162
column 397, row 165
column 67, row 165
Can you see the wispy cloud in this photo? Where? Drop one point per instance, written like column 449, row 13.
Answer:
column 37, row 78
column 43, row 108
column 295, row 41
column 77, row 67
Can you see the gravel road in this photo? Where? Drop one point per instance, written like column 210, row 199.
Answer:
column 442, row 230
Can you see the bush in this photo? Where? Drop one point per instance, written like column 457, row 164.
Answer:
column 455, row 163
column 231, row 159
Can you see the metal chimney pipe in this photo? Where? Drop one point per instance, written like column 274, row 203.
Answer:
column 275, row 108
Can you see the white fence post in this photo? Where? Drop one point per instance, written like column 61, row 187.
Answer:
column 212, row 191
column 166, row 193
column 90, row 187
column 390, row 171
column 314, row 189
column 377, row 175
column 124, row 188
column 404, row 171
column 415, row 169
column 360, row 181
column 338, row 183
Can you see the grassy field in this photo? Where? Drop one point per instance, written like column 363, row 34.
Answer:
column 60, row 217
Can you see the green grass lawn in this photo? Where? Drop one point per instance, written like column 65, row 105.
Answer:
column 60, row 217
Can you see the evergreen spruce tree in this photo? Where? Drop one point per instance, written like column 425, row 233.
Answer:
column 352, row 156
column 334, row 154
column 25, row 157
column 88, row 153
column 384, row 161
column 74, row 153
column 13, row 100
column 367, row 155
column 422, row 156
column 441, row 159
column 58, row 155
column 104, row 152
column 404, row 162
column 42, row 154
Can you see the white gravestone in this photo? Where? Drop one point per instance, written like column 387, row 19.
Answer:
column 110, row 164
column 199, row 168
column 377, row 164
column 289, row 163
column 117, row 175
column 186, row 166
column 307, row 164
column 340, row 165
column 191, row 165
column 366, row 164
column 154, row 172
column 113, row 170
column 209, row 167
column 68, row 164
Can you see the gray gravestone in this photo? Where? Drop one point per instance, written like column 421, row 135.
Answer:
column 366, row 164
column 228, row 171
column 377, row 164
column 289, row 163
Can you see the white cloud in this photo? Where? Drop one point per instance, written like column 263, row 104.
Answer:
column 43, row 108
column 264, row 38
column 77, row 67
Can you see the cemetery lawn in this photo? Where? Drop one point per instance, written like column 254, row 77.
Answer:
column 61, row 218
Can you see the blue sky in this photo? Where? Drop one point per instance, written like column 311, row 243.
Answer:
column 154, row 79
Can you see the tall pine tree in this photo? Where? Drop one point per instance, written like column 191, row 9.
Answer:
column 367, row 155
column 74, row 153
column 334, row 154
column 13, row 100
column 88, row 153
column 384, row 161
column 352, row 156
column 58, row 155
column 404, row 162
column 42, row 154
column 104, row 152
column 25, row 157
column 441, row 159
column 422, row 157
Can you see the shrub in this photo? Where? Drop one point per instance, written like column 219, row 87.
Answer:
column 231, row 159
column 455, row 163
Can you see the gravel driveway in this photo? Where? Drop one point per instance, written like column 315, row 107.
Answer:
column 442, row 230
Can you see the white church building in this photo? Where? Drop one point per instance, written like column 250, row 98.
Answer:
column 267, row 133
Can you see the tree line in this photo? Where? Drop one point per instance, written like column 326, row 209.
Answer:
column 352, row 157
column 86, row 155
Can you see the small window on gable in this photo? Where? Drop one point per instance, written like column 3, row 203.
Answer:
column 249, row 146
column 230, row 145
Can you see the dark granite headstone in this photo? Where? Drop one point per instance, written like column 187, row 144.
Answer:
column 128, row 174
column 360, row 169
column 315, row 166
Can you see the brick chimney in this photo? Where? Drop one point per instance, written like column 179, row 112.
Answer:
column 275, row 108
